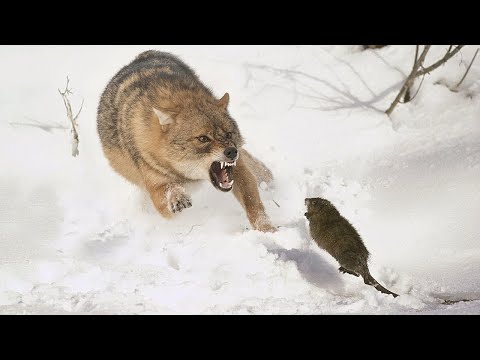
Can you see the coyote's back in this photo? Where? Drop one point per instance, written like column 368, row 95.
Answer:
column 131, row 84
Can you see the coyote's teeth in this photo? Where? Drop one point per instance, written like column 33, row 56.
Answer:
column 222, row 164
column 226, row 185
column 235, row 163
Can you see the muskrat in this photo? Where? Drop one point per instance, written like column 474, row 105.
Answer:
column 333, row 233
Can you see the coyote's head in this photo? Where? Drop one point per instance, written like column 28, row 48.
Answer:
column 202, row 141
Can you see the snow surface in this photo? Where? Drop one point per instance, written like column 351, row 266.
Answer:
column 75, row 237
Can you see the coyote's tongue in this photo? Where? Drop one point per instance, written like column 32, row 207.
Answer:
column 222, row 175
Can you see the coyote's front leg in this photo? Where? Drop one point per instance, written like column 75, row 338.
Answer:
column 246, row 191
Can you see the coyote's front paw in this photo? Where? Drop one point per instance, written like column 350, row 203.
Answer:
column 263, row 224
column 177, row 198
column 267, row 228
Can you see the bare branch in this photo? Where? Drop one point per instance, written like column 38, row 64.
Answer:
column 419, row 86
column 455, row 88
column 188, row 233
column 417, row 48
column 365, row 47
column 70, row 116
column 78, row 113
column 440, row 62
column 410, row 79
column 407, row 97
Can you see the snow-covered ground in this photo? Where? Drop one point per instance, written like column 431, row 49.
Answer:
column 77, row 238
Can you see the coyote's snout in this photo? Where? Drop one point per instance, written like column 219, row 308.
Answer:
column 161, row 128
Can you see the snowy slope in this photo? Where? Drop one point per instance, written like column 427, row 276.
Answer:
column 77, row 238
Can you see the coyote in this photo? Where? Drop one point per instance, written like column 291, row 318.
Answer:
column 161, row 127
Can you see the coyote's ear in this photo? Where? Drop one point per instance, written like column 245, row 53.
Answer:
column 164, row 117
column 223, row 102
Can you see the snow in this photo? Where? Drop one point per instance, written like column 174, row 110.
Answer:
column 75, row 237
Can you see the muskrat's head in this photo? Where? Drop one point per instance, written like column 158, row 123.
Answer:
column 315, row 205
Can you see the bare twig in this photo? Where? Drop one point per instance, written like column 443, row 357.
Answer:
column 275, row 203
column 73, row 119
column 407, row 96
column 373, row 46
column 440, row 62
column 188, row 233
column 455, row 88
column 417, row 48
column 410, row 79
column 419, row 70
column 419, row 86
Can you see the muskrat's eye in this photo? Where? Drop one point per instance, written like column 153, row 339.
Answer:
column 203, row 139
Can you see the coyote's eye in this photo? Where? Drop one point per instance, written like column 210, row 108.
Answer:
column 228, row 135
column 203, row 139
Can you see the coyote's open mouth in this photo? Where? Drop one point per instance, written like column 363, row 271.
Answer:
column 221, row 174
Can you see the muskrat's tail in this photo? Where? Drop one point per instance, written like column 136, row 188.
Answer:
column 369, row 280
